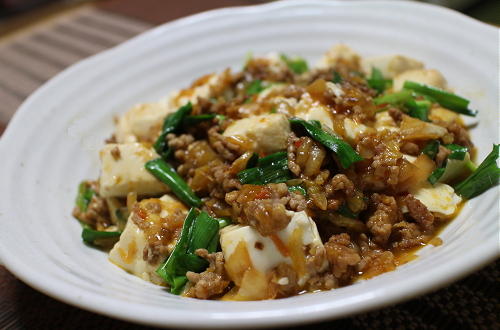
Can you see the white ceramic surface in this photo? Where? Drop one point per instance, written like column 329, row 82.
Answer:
column 52, row 142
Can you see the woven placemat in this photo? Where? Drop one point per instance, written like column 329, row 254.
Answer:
column 30, row 59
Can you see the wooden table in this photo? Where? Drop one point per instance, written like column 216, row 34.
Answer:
column 29, row 58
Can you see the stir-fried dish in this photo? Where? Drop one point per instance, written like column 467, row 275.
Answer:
column 283, row 179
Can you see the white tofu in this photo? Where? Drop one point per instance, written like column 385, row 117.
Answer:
column 142, row 122
column 390, row 65
column 124, row 172
column 336, row 53
column 353, row 129
column 428, row 77
column 265, row 133
column 308, row 109
column 443, row 114
column 440, row 198
column 128, row 251
column 200, row 88
column 260, row 254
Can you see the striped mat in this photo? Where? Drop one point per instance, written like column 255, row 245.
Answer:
column 29, row 59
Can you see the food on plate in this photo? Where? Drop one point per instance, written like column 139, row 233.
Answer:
column 281, row 179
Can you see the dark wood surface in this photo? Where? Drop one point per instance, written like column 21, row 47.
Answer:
column 470, row 303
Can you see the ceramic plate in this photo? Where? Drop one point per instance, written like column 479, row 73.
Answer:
column 52, row 143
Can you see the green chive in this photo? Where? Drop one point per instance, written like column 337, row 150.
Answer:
column 166, row 174
column 436, row 175
column 377, row 81
column 337, row 78
column 345, row 153
column 171, row 124
column 418, row 109
column 84, row 196
column 345, row 211
column 431, row 149
column 297, row 64
column 394, row 98
column 446, row 99
column 270, row 169
column 255, row 87
column 457, row 152
column 91, row 236
column 298, row 189
column 487, row 175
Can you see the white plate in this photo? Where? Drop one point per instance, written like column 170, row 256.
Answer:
column 52, row 142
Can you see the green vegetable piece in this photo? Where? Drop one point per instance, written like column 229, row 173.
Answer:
column 299, row 189
column 457, row 151
column 297, row 64
column 166, row 174
column 255, row 87
column 337, row 78
column 168, row 271
column 394, row 98
column 446, row 99
column 171, row 124
column 345, row 211
column 193, row 120
column 270, row 169
column 377, row 81
column 204, row 229
column 487, row 175
column 224, row 222
column 91, row 236
column 436, row 175
column 418, row 109
column 431, row 149
column 200, row 231
column 253, row 161
column 345, row 153
column 84, row 196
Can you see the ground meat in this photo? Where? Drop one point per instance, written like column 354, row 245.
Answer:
column 97, row 213
column 407, row 235
column 262, row 207
column 410, row 148
column 396, row 114
column 115, row 152
column 343, row 257
column 386, row 214
column 179, row 142
column 419, row 212
column 442, row 155
column 285, row 280
column 460, row 134
column 210, row 283
column 298, row 202
column 226, row 150
column 374, row 260
column 340, row 182
column 265, row 69
column 308, row 155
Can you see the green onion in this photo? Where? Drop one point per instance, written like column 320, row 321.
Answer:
column 337, row 78
column 487, row 175
column 253, row 161
column 377, row 81
column 199, row 231
column 394, row 98
column 171, row 124
column 446, row 99
column 345, row 153
column 457, row 152
column 255, row 87
column 84, row 196
column 93, row 237
column 431, row 149
column 436, row 175
column 270, row 169
column 345, row 211
column 418, row 109
column 224, row 222
column 166, row 174
column 297, row 64
column 299, row 189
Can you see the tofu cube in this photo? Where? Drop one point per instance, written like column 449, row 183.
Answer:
column 390, row 65
column 428, row 77
column 123, row 171
column 251, row 257
column 263, row 133
column 128, row 251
